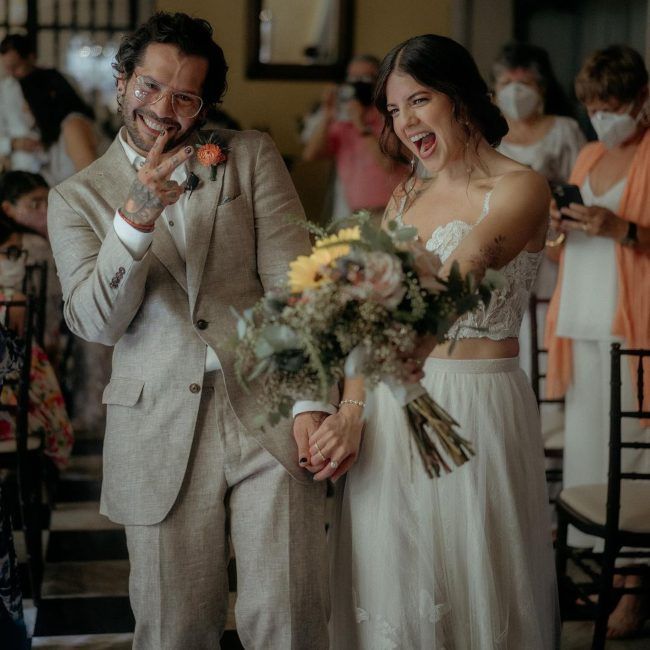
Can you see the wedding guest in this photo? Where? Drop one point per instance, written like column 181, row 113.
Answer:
column 604, row 280
column 541, row 130
column 346, row 129
column 361, row 69
column 20, row 144
column 64, row 121
column 23, row 217
column 155, row 271
column 541, row 134
column 466, row 560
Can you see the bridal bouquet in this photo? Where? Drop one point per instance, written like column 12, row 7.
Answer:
column 359, row 305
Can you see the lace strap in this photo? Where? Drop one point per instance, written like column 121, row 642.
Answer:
column 486, row 206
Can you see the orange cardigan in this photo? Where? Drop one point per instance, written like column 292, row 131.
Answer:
column 632, row 317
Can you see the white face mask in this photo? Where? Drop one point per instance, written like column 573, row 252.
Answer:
column 613, row 129
column 12, row 272
column 519, row 101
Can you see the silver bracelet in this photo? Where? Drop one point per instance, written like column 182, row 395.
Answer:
column 354, row 402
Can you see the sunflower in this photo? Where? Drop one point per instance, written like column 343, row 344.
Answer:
column 308, row 272
column 337, row 245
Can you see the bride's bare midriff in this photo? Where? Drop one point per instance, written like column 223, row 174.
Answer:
column 477, row 349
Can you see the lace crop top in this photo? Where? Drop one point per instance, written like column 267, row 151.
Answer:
column 502, row 317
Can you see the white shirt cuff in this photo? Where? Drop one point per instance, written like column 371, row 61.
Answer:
column 303, row 406
column 136, row 242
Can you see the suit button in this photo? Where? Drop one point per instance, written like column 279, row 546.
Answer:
column 202, row 324
column 195, row 388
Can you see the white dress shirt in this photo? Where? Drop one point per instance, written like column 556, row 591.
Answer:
column 173, row 216
column 17, row 121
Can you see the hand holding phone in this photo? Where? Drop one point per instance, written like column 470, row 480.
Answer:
column 564, row 194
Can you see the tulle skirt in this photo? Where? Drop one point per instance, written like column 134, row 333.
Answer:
column 463, row 562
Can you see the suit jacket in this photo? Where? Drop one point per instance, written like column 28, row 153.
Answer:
column 239, row 244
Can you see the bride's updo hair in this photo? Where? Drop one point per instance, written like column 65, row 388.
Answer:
column 445, row 66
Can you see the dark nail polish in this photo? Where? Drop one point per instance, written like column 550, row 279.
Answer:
column 303, row 461
column 188, row 149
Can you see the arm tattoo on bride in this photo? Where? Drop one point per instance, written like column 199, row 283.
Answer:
column 490, row 256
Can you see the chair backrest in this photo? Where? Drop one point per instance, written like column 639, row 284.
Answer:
column 35, row 286
column 537, row 352
column 640, row 362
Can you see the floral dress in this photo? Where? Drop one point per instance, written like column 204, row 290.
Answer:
column 47, row 413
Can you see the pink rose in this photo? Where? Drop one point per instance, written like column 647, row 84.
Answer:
column 382, row 280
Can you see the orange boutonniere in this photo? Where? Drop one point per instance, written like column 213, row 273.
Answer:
column 212, row 153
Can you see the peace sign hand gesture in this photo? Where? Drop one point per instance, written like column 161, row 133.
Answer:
column 153, row 190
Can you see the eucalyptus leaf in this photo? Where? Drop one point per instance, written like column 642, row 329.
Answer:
column 281, row 337
column 407, row 233
column 261, row 367
column 263, row 348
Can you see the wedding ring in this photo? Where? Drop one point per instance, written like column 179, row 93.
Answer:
column 319, row 451
column 334, row 464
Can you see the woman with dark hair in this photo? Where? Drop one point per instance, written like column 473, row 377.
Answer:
column 23, row 196
column 464, row 561
column 23, row 215
column 64, row 121
column 603, row 289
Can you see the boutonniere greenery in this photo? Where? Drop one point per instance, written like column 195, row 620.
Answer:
column 211, row 153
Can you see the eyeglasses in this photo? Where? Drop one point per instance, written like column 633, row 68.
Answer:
column 150, row 91
column 13, row 252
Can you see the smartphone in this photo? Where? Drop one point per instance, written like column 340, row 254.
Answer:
column 564, row 193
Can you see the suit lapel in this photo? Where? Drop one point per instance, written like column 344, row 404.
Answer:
column 199, row 222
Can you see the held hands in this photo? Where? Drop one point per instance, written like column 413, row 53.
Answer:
column 593, row 220
column 334, row 446
column 153, row 190
column 304, row 425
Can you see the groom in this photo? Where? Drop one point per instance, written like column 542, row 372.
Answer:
column 153, row 270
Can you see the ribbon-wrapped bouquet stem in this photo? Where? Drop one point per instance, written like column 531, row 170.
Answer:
column 359, row 305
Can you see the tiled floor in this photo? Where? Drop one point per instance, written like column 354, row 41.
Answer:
column 85, row 588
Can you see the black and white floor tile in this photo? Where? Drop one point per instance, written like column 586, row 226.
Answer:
column 85, row 588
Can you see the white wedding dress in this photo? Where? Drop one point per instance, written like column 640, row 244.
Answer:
column 463, row 562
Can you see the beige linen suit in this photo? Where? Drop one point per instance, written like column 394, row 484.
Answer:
column 181, row 451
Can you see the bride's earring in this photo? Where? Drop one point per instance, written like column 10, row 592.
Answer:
column 414, row 162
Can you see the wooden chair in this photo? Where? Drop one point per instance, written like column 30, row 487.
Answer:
column 35, row 285
column 552, row 419
column 23, row 456
column 618, row 512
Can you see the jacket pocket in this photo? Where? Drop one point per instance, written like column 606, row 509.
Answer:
column 123, row 391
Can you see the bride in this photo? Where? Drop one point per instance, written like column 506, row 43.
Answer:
column 462, row 562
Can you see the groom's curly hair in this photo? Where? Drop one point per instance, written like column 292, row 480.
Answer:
column 192, row 36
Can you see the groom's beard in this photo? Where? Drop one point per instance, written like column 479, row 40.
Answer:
column 131, row 118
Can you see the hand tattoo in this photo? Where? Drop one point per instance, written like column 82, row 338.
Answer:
column 142, row 205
